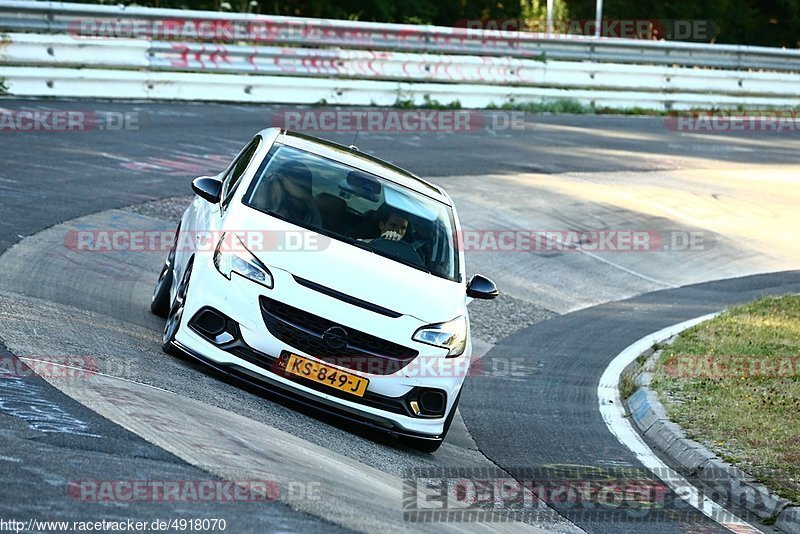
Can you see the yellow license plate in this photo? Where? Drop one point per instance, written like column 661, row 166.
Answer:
column 325, row 374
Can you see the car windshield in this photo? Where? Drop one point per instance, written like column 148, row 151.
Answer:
column 359, row 208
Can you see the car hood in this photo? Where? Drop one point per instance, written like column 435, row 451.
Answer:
column 356, row 272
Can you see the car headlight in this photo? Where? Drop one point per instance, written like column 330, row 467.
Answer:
column 451, row 335
column 240, row 261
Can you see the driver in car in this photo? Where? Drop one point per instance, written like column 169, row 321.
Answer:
column 393, row 227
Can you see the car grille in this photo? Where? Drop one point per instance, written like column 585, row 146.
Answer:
column 303, row 331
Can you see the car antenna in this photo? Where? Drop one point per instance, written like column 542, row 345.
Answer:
column 353, row 144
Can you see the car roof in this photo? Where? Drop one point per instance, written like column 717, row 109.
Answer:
column 360, row 160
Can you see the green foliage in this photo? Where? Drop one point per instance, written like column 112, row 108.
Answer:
column 428, row 103
column 561, row 105
column 404, row 103
column 733, row 383
column 627, row 385
column 747, row 22
column 3, row 87
column 535, row 11
column 567, row 105
column 431, row 103
column 630, row 111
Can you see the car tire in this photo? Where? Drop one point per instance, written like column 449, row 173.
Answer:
column 159, row 303
column 175, row 315
column 432, row 445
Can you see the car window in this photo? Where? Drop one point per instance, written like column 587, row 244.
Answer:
column 357, row 207
column 231, row 180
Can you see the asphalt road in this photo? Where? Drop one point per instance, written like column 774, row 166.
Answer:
column 548, row 417
column 560, row 172
column 42, row 470
column 49, row 177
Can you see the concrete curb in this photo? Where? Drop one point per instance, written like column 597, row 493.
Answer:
column 732, row 485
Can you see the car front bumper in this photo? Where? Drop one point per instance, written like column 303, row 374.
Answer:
column 238, row 299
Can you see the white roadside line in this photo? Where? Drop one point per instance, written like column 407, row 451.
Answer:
column 613, row 411
column 614, row 264
column 625, row 269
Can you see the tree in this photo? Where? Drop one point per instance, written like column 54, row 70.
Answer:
column 753, row 22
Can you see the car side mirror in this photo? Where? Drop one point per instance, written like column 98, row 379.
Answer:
column 480, row 287
column 207, row 188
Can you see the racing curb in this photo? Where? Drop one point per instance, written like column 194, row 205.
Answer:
column 650, row 417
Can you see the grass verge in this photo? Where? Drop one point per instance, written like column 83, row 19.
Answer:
column 561, row 105
column 428, row 103
column 733, row 384
column 552, row 106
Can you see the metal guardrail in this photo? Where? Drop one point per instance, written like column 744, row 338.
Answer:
column 64, row 51
column 293, row 60
column 192, row 86
column 58, row 17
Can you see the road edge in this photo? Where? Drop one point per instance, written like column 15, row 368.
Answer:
column 651, row 420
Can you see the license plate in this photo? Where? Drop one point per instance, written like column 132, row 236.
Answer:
column 325, row 374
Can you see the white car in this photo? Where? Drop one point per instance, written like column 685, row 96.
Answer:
column 329, row 276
